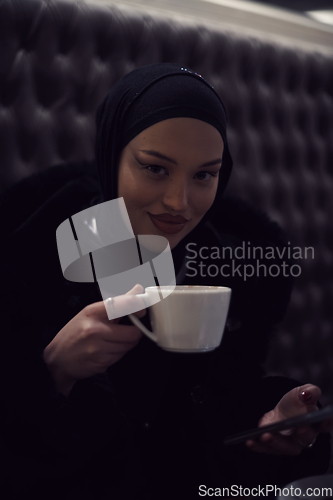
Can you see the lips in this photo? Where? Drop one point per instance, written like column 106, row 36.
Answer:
column 167, row 223
column 173, row 219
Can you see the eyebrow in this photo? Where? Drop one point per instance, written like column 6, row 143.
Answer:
column 160, row 156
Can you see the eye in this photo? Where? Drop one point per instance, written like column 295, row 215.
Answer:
column 155, row 169
column 205, row 176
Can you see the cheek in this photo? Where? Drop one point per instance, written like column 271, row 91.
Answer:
column 127, row 187
column 128, row 194
column 203, row 201
column 136, row 198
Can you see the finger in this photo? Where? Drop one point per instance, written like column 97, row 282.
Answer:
column 287, row 432
column 101, row 310
column 103, row 362
column 267, row 445
column 137, row 289
column 117, row 349
column 117, row 307
column 121, row 333
column 298, row 401
column 101, row 352
column 305, row 435
column 309, row 394
column 113, row 352
column 279, row 445
column 258, row 447
column 284, row 446
column 122, row 305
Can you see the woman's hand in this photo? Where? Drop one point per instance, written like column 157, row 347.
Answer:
column 90, row 342
column 298, row 401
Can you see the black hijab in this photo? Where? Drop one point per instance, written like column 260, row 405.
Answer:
column 144, row 97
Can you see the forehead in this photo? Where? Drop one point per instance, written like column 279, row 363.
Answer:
column 183, row 137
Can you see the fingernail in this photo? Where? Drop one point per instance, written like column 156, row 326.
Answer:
column 287, row 432
column 306, row 395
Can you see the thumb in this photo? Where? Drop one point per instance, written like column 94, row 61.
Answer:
column 129, row 303
column 300, row 400
column 309, row 394
column 135, row 290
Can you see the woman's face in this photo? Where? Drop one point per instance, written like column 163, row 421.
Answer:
column 168, row 176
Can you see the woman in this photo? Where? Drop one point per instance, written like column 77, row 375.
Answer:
column 95, row 411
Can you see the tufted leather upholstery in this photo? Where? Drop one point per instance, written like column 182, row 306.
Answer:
column 58, row 59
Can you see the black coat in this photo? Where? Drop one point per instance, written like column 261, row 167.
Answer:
column 153, row 425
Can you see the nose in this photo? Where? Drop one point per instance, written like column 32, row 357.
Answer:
column 176, row 196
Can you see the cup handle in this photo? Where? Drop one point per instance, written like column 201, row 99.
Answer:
column 135, row 320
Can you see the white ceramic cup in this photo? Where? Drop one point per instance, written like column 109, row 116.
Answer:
column 190, row 319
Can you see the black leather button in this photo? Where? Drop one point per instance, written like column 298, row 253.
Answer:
column 199, row 394
column 233, row 324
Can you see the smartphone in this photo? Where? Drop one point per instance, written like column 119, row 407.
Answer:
column 310, row 418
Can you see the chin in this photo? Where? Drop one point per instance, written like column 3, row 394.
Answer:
column 173, row 242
